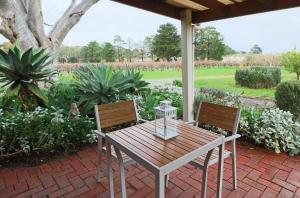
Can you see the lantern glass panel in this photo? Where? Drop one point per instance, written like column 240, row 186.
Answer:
column 163, row 114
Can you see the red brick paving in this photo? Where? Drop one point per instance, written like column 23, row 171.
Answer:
column 261, row 173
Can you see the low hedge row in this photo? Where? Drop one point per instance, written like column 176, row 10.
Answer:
column 258, row 77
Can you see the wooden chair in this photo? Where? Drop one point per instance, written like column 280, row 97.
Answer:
column 110, row 115
column 223, row 117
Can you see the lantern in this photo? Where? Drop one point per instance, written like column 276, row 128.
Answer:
column 164, row 112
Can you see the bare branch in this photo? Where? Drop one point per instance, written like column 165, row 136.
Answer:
column 47, row 24
column 69, row 19
column 35, row 21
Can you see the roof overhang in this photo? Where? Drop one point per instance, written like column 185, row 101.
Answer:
column 210, row 10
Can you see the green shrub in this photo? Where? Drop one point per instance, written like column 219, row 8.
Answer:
column 148, row 100
column 287, row 97
column 216, row 96
column 61, row 95
column 258, row 77
column 273, row 128
column 177, row 83
column 42, row 130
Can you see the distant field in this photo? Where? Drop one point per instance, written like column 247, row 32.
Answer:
column 216, row 77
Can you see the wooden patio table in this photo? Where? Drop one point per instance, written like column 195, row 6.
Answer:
column 162, row 156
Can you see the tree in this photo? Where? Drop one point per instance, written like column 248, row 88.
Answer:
column 291, row 61
column 166, row 43
column 129, row 51
column 108, row 52
column 91, row 52
column 23, row 20
column 69, row 54
column 140, row 51
column 229, row 50
column 209, row 43
column 149, row 47
column 256, row 49
column 119, row 45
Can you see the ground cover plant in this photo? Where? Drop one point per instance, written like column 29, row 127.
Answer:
column 273, row 128
column 42, row 130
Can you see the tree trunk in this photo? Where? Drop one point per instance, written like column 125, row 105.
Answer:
column 23, row 20
column 298, row 76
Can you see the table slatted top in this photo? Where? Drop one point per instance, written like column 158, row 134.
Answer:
column 139, row 139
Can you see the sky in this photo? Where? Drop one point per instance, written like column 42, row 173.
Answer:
column 274, row 32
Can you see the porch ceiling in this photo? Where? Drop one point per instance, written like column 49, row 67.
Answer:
column 210, row 10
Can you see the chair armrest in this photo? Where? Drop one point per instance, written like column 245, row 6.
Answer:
column 191, row 122
column 232, row 137
column 99, row 133
column 142, row 120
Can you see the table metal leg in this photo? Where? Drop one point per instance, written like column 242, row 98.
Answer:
column 220, row 170
column 122, row 172
column 110, row 170
column 159, row 185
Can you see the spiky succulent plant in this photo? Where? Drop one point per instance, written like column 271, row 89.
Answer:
column 20, row 73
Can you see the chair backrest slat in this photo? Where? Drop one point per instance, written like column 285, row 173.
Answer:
column 113, row 114
column 219, row 116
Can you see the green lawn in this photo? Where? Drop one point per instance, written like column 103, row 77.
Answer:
column 216, row 77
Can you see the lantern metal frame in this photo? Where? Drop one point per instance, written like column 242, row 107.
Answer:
column 166, row 113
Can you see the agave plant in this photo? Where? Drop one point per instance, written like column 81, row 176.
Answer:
column 100, row 85
column 20, row 73
column 136, row 79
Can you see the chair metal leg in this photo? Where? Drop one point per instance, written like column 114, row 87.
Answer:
column 98, row 160
column 204, row 181
column 122, row 172
column 220, row 170
column 110, row 170
column 233, row 157
column 167, row 177
column 159, row 185
column 205, row 172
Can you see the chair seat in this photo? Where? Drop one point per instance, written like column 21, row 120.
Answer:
column 126, row 158
column 213, row 158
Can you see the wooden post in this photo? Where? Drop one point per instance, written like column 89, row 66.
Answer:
column 187, row 53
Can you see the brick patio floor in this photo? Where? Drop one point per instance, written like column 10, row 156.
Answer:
column 261, row 173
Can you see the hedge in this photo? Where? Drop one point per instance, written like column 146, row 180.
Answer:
column 258, row 77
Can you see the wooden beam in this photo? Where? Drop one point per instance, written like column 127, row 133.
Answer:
column 155, row 6
column 243, row 8
column 187, row 4
column 213, row 5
